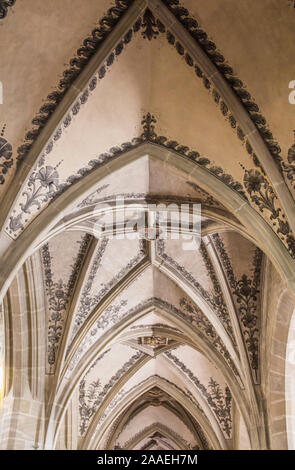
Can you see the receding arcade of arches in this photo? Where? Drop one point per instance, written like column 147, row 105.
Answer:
column 121, row 328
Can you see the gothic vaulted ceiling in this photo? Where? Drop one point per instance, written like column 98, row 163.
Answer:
column 147, row 344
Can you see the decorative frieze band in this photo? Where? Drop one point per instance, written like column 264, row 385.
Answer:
column 4, row 5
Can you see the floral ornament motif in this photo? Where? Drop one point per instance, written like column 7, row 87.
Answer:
column 109, row 317
column 58, row 294
column 87, row 401
column 89, row 301
column 57, row 300
column 246, row 293
column 41, row 187
column 219, row 401
column 4, row 5
column 6, row 160
column 247, row 298
column 289, row 168
column 199, row 320
column 189, row 311
column 222, row 402
column 151, row 26
column 91, row 394
column 86, row 301
column 147, row 123
column 253, row 180
column 217, row 298
column 57, row 305
column 264, row 197
column 91, row 399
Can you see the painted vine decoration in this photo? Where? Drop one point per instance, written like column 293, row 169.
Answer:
column 57, row 299
column 42, row 186
column 222, row 401
column 219, row 400
column 153, row 26
column 86, row 398
column 265, row 201
column 151, row 29
column 59, row 294
column 262, row 194
column 289, row 168
column 131, row 264
column 91, row 398
column 246, row 292
column 4, row 5
column 88, row 301
column 196, row 429
column 191, row 313
column 6, row 160
column 216, row 301
column 109, row 317
column 264, row 197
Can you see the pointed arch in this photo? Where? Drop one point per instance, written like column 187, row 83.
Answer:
column 20, row 249
column 96, row 433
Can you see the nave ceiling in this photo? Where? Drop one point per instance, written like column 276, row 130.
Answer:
column 145, row 344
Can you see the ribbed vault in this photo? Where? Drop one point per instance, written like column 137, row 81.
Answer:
column 117, row 337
